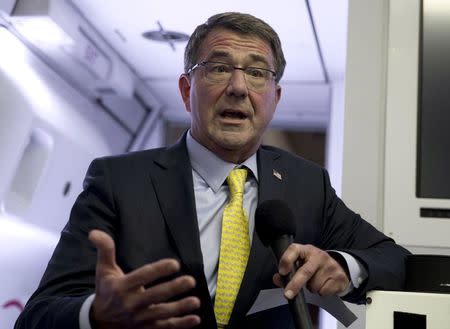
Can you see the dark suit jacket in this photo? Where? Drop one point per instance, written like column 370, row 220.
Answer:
column 145, row 201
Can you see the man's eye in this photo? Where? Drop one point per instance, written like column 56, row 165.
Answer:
column 255, row 73
column 219, row 68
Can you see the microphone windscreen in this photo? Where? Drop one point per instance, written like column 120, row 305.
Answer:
column 273, row 219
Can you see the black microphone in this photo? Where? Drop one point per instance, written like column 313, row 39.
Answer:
column 275, row 226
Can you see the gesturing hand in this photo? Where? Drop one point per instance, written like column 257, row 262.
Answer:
column 122, row 301
column 320, row 272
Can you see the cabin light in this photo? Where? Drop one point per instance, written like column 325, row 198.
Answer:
column 41, row 30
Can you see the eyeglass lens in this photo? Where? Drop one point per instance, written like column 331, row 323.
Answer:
column 256, row 78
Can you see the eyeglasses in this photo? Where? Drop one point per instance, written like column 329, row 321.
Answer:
column 256, row 78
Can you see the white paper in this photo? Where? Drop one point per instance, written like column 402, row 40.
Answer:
column 270, row 298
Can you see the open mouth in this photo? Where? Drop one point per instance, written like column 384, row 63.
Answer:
column 233, row 114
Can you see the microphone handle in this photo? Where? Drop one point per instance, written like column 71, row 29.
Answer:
column 298, row 307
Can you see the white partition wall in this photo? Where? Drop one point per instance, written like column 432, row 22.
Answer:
column 45, row 148
column 363, row 132
column 380, row 127
column 380, row 134
column 24, row 252
column 46, row 144
column 402, row 218
column 395, row 309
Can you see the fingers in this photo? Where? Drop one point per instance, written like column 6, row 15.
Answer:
column 333, row 287
column 150, row 273
column 319, row 271
column 277, row 280
column 106, row 264
column 150, row 309
column 188, row 321
column 295, row 252
column 305, row 255
column 330, row 278
column 105, row 247
column 163, row 311
column 163, row 292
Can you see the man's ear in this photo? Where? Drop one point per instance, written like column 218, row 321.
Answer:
column 278, row 93
column 277, row 97
column 184, row 83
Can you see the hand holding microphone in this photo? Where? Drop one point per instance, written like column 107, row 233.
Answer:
column 299, row 265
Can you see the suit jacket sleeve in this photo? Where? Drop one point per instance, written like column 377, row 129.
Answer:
column 70, row 276
column 346, row 231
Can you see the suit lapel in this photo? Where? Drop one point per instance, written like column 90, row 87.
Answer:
column 261, row 262
column 172, row 179
column 272, row 174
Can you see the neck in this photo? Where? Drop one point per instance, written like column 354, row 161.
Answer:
column 233, row 156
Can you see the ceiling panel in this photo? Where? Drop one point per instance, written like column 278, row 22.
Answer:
column 313, row 34
column 122, row 24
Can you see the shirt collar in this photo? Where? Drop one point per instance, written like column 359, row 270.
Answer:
column 210, row 167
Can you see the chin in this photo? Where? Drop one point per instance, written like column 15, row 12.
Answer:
column 235, row 143
column 232, row 140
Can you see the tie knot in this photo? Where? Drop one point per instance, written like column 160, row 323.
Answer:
column 236, row 181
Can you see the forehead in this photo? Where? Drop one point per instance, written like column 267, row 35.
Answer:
column 226, row 44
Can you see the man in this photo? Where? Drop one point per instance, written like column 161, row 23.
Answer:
column 145, row 246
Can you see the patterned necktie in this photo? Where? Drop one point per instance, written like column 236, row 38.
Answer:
column 234, row 248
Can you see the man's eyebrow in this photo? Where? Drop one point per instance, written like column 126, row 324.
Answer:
column 224, row 55
column 259, row 58
column 219, row 54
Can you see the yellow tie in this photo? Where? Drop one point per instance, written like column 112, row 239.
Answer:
column 234, row 248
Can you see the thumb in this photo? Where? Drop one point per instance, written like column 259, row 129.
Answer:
column 106, row 251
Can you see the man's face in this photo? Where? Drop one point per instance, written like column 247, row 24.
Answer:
column 228, row 118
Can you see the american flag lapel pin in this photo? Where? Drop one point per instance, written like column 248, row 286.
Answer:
column 277, row 174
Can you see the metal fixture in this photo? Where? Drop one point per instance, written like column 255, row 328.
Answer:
column 164, row 35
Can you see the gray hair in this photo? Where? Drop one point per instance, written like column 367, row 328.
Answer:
column 244, row 24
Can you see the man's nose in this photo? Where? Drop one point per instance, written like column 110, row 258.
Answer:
column 237, row 86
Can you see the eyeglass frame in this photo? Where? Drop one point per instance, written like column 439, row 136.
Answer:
column 243, row 69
